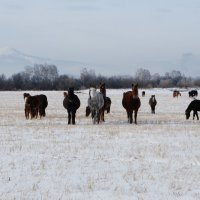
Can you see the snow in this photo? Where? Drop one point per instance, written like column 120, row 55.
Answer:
column 48, row 159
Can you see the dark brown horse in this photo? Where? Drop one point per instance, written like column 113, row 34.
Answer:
column 35, row 105
column 131, row 102
column 71, row 102
column 143, row 93
column 107, row 100
column 152, row 103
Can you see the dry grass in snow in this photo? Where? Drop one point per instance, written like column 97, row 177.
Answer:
column 47, row 159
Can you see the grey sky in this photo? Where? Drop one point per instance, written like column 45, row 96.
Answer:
column 122, row 35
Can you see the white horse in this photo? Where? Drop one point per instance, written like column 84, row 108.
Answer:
column 96, row 103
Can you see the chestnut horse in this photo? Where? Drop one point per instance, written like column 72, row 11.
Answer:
column 131, row 102
column 71, row 102
column 176, row 93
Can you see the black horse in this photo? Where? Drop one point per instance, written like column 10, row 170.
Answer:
column 195, row 106
column 152, row 103
column 71, row 102
column 193, row 93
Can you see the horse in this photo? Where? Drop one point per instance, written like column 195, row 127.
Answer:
column 176, row 93
column 43, row 104
column 193, row 93
column 107, row 100
column 152, row 103
column 143, row 93
column 72, row 103
column 95, row 103
column 108, row 105
column 35, row 105
column 195, row 106
column 130, row 102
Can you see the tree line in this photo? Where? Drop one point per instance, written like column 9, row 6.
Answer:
column 46, row 77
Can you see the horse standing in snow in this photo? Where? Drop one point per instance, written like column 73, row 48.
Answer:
column 71, row 102
column 107, row 103
column 195, row 106
column 107, row 100
column 152, row 103
column 176, row 93
column 35, row 105
column 131, row 102
column 95, row 103
column 193, row 93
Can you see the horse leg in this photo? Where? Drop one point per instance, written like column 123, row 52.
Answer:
column 194, row 113
column 153, row 110
column 98, row 115
column 135, row 115
column 102, row 114
column 93, row 116
column 69, row 117
column 128, row 115
column 131, row 116
column 25, row 112
column 197, row 115
column 73, row 117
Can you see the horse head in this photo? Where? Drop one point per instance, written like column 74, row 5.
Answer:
column 26, row 95
column 103, row 88
column 135, row 89
column 187, row 113
column 92, row 92
column 71, row 92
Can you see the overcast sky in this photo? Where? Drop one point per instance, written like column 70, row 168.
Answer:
column 123, row 35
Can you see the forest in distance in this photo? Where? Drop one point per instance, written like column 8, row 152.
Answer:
column 46, row 77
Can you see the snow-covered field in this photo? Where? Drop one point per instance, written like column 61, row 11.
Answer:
column 48, row 159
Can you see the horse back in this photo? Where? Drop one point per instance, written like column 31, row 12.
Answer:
column 194, row 105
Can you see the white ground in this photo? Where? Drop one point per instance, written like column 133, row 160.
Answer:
column 47, row 159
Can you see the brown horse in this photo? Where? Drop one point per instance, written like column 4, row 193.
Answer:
column 143, row 93
column 107, row 100
column 176, row 93
column 131, row 102
column 35, row 105
column 152, row 103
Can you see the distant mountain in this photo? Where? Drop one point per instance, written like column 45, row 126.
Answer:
column 13, row 61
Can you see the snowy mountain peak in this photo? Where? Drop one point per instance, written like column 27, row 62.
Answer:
column 7, row 51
